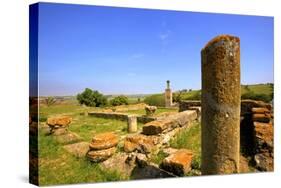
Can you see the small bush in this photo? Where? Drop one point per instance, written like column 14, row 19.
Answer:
column 91, row 98
column 119, row 100
column 42, row 118
column 155, row 100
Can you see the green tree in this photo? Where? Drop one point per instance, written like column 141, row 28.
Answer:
column 91, row 98
column 177, row 96
column 119, row 100
column 155, row 100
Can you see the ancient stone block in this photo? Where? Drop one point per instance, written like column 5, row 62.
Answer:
column 248, row 104
column 187, row 104
column 141, row 143
column 179, row 162
column 118, row 163
column 264, row 162
column 260, row 111
column 150, row 110
column 169, row 123
column 150, row 171
column 220, row 102
column 263, row 133
column 100, row 155
column 79, row 149
column 265, row 118
column 132, row 124
column 58, row 131
column 68, row 138
column 60, row 121
column 103, row 141
column 156, row 127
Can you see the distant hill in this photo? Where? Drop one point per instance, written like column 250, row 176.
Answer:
column 255, row 91
column 262, row 92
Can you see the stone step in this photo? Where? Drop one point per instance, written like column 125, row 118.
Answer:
column 178, row 163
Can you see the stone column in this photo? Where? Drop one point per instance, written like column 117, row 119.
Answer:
column 132, row 124
column 168, row 95
column 220, row 61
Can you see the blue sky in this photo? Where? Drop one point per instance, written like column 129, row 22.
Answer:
column 134, row 51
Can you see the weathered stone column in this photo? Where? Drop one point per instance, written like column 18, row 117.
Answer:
column 168, row 95
column 220, row 105
column 132, row 124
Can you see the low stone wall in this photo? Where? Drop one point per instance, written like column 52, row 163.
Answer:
column 109, row 115
column 120, row 116
column 256, row 133
column 185, row 105
column 156, row 134
column 171, row 122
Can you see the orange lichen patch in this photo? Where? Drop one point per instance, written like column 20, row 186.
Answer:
column 101, row 155
column 265, row 118
column 179, row 162
column 156, row 127
column 264, row 131
column 142, row 143
column 260, row 110
column 103, row 141
column 60, row 121
column 221, row 38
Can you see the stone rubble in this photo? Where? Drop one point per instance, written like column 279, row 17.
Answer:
column 178, row 163
column 102, row 147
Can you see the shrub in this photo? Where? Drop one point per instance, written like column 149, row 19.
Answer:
column 177, row 96
column 155, row 100
column 119, row 100
column 91, row 98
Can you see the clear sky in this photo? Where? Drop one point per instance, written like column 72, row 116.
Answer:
column 134, row 51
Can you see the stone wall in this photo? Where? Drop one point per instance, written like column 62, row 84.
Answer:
column 120, row 116
column 157, row 133
column 109, row 115
column 257, row 133
column 185, row 105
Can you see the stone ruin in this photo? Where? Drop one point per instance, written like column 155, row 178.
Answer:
column 150, row 110
column 156, row 135
column 136, row 149
column 257, row 133
column 58, row 127
column 220, row 102
column 102, row 147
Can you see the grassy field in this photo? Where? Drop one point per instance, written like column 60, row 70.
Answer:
column 59, row 167
column 56, row 166
column 258, row 88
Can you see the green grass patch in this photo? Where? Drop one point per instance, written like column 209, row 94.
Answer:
column 190, row 138
column 157, row 159
column 87, row 126
column 56, row 166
